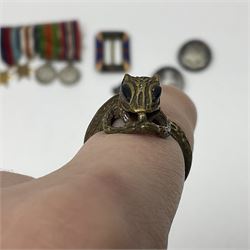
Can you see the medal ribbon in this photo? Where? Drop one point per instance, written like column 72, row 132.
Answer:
column 36, row 39
column 22, row 39
column 28, row 42
column 3, row 51
column 6, row 49
column 15, row 44
column 59, row 41
column 48, row 52
column 63, row 42
column 40, row 41
column 7, row 43
column 55, row 41
column 69, row 42
column 77, row 41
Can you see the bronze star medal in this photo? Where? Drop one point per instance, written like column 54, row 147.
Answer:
column 23, row 71
column 4, row 77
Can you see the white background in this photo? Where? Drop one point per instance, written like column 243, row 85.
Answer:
column 42, row 127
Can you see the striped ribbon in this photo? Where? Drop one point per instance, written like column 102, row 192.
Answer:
column 6, row 49
column 15, row 44
column 28, row 41
column 56, row 41
column 70, row 41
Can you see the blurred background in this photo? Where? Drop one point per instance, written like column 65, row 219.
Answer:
column 42, row 127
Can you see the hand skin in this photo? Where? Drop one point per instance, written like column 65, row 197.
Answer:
column 119, row 191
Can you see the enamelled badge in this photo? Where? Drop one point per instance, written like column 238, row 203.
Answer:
column 112, row 52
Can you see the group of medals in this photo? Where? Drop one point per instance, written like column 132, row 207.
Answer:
column 61, row 42
column 52, row 42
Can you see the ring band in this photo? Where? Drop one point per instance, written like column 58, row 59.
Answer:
column 177, row 133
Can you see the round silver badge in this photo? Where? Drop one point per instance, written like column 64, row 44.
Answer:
column 194, row 55
column 46, row 73
column 171, row 76
column 69, row 75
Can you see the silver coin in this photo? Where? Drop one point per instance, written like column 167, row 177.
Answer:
column 171, row 76
column 46, row 73
column 69, row 75
column 195, row 55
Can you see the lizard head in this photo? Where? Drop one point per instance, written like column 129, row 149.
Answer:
column 140, row 94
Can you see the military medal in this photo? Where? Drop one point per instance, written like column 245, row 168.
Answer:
column 69, row 75
column 170, row 76
column 46, row 73
column 51, row 42
column 195, row 55
column 70, row 44
column 4, row 77
column 23, row 70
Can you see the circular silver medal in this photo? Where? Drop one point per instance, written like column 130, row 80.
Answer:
column 171, row 76
column 194, row 55
column 69, row 75
column 46, row 73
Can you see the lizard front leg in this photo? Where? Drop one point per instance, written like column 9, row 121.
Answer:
column 152, row 128
column 157, row 124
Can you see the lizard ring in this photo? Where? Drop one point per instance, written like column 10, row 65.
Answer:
column 138, row 106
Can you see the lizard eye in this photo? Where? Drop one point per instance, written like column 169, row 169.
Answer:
column 126, row 92
column 156, row 92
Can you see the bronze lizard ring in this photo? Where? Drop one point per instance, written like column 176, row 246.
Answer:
column 138, row 106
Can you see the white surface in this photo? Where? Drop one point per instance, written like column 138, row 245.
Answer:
column 42, row 127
